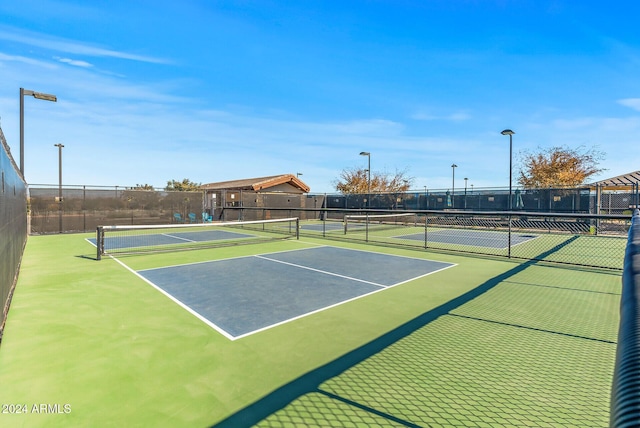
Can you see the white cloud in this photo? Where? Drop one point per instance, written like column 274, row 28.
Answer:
column 452, row 117
column 573, row 124
column 593, row 125
column 72, row 46
column 368, row 127
column 459, row 116
column 25, row 60
column 75, row 62
column 423, row 116
column 633, row 103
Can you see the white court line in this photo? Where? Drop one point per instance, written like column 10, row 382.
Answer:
column 179, row 302
column 342, row 302
column 228, row 258
column 177, row 237
column 504, row 234
column 320, row 271
column 464, row 235
column 305, row 314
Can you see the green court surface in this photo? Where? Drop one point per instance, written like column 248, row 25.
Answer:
column 486, row 343
column 587, row 250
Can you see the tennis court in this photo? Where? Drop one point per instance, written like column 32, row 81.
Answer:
column 497, row 240
column 243, row 295
column 411, row 232
column 297, row 332
column 330, row 226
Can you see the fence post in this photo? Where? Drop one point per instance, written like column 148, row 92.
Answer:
column 509, row 243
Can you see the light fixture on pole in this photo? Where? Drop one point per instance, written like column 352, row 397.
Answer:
column 59, row 146
column 453, row 185
column 368, row 155
column 40, row 96
column 298, row 174
column 510, row 134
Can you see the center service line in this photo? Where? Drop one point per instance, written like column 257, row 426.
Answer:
column 321, row 271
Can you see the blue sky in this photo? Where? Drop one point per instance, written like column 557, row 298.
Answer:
column 151, row 91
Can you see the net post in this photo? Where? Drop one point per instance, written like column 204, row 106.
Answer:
column 509, row 238
column 99, row 242
column 297, row 228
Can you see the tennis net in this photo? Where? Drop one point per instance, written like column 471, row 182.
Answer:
column 358, row 222
column 175, row 237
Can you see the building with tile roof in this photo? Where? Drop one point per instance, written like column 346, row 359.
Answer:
column 285, row 183
column 286, row 190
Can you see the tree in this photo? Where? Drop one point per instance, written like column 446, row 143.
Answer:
column 143, row 187
column 182, row 186
column 142, row 196
column 356, row 180
column 559, row 166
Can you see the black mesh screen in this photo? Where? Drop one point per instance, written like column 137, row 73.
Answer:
column 13, row 225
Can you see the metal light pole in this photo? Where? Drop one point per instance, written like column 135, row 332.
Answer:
column 465, row 192
column 368, row 155
column 426, row 200
column 453, row 185
column 298, row 174
column 510, row 134
column 40, row 96
column 59, row 146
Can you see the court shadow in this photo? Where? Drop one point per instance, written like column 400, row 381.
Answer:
column 311, row 382
column 87, row 257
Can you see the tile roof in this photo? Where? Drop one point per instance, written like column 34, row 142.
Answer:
column 259, row 183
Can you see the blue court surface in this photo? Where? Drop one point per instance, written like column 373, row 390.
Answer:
column 498, row 240
column 243, row 295
column 156, row 239
column 325, row 226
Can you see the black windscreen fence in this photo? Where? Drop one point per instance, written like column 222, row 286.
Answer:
column 83, row 208
column 13, row 226
column 578, row 200
column 625, row 393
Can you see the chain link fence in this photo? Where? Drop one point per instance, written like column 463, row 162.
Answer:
column 562, row 200
column 83, row 208
column 13, row 226
column 575, row 239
